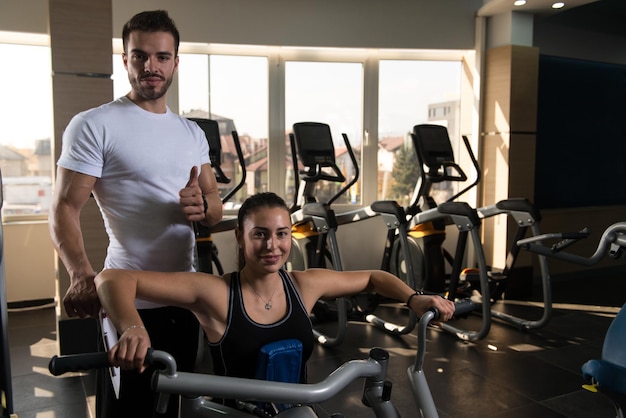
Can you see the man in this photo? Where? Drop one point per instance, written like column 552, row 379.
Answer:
column 149, row 172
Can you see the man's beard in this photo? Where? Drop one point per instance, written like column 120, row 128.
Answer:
column 149, row 93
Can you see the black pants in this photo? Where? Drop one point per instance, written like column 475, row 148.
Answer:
column 174, row 330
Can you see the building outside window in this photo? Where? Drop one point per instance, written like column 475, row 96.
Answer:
column 236, row 89
column 26, row 128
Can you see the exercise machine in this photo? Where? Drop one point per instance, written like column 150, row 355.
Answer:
column 207, row 253
column 607, row 374
column 436, row 160
column 417, row 377
column 196, row 389
column 317, row 223
column 314, row 229
column 398, row 221
column 414, row 245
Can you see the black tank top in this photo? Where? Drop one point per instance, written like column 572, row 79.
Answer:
column 236, row 353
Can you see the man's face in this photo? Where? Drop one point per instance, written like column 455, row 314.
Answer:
column 151, row 62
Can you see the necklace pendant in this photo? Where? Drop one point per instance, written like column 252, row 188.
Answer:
column 268, row 305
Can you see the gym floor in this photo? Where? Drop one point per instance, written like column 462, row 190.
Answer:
column 510, row 373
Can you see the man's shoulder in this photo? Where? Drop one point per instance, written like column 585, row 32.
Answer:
column 192, row 126
column 189, row 122
column 104, row 110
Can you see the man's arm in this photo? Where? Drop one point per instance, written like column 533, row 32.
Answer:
column 211, row 194
column 198, row 190
column 71, row 192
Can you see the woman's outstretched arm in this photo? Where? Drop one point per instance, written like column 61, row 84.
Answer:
column 117, row 291
column 327, row 284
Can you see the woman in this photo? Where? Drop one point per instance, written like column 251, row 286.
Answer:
column 242, row 311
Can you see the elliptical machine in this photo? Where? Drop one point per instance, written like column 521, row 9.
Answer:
column 206, row 250
column 436, row 159
column 315, row 225
column 314, row 240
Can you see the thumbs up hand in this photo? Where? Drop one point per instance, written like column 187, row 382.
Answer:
column 191, row 198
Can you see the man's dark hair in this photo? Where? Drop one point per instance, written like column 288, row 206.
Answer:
column 151, row 21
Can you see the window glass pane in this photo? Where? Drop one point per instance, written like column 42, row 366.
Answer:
column 121, row 85
column 26, row 130
column 237, row 97
column 331, row 93
column 193, row 83
column 412, row 93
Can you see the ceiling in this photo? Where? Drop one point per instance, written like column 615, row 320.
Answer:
column 603, row 16
column 543, row 7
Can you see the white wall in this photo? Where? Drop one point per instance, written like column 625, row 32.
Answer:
column 29, row 16
column 345, row 23
column 441, row 24
column 444, row 24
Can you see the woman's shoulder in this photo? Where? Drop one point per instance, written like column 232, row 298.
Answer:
column 211, row 280
column 312, row 274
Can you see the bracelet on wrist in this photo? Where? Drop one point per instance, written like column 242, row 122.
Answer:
column 417, row 293
column 204, row 202
column 133, row 327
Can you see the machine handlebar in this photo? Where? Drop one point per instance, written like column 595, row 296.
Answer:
column 461, row 308
column 77, row 362
column 611, row 244
column 170, row 381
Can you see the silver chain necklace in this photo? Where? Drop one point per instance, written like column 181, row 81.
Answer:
column 268, row 303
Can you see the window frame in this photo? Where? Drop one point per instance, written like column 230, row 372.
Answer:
column 29, row 40
column 277, row 56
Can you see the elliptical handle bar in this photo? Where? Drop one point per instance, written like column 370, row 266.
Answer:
column 242, row 163
column 569, row 238
column 611, row 243
column 419, row 385
column 59, row 365
column 170, row 381
column 476, row 166
column 461, row 308
column 355, row 166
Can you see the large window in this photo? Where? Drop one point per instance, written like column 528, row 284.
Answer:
column 26, row 129
column 234, row 91
column 121, row 85
column 331, row 93
column 410, row 93
column 374, row 97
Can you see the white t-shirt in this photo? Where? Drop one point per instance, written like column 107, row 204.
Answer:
column 142, row 160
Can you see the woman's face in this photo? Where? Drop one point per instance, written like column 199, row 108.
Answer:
column 265, row 239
